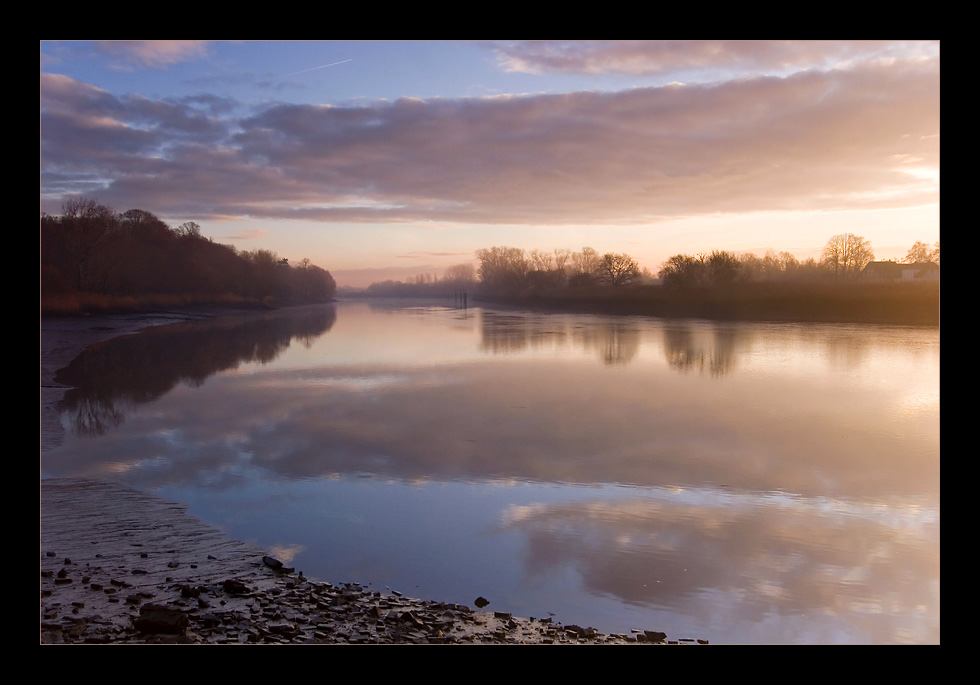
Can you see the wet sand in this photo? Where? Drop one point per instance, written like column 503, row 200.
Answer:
column 120, row 566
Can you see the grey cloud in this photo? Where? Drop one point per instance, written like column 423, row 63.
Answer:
column 815, row 140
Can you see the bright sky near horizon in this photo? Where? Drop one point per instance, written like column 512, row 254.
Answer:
column 386, row 159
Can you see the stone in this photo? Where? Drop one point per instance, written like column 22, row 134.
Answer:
column 235, row 587
column 158, row 619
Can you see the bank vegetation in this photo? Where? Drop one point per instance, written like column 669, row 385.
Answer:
column 94, row 259
column 718, row 285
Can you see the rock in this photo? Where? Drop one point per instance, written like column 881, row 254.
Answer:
column 158, row 619
column 235, row 587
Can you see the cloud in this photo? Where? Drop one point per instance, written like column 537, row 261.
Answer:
column 425, row 254
column 832, row 140
column 153, row 54
column 246, row 234
column 645, row 57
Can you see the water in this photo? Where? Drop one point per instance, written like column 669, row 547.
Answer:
column 736, row 482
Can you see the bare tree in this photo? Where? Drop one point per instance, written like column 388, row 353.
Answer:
column 561, row 258
column 683, row 271
column 87, row 225
column 586, row 262
column 618, row 270
column 188, row 228
column 460, row 273
column 920, row 252
column 723, row 267
column 541, row 261
column 503, row 268
column 847, row 254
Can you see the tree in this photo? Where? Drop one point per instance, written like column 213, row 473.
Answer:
column 586, row 262
column 683, row 271
column 541, row 261
column 561, row 257
column 502, row 268
column 144, row 224
column 460, row 274
column 618, row 270
column 847, row 255
column 723, row 268
column 86, row 226
column 920, row 252
column 311, row 283
column 188, row 229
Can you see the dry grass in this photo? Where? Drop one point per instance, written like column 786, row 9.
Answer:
column 76, row 304
column 841, row 302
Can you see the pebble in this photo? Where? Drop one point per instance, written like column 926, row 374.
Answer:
column 218, row 591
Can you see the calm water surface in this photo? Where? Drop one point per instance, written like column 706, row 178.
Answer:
column 737, row 482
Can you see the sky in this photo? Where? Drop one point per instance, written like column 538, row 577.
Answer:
column 386, row 159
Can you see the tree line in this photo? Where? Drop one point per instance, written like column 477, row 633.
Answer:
column 510, row 271
column 91, row 250
column 507, row 270
column 844, row 257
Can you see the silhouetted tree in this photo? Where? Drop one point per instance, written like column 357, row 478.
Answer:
column 502, row 269
column 585, row 263
column 85, row 227
column 618, row 270
column 683, row 271
column 847, row 254
column 722, row 268
column 920, row 252
column 90, row 249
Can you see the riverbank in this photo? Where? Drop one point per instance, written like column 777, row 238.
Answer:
column 900, row 303
column 119, row 566
column 123, row 567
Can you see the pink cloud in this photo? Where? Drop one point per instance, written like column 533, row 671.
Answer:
column 836, row 139
column 153, row 53
column 661, row 56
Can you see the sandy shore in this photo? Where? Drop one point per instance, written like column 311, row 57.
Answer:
column 119, row 566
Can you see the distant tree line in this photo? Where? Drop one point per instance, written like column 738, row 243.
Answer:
column 844, row 257
column 719, row 285
column 456, row 279
column 510, row 270
column 90, row 250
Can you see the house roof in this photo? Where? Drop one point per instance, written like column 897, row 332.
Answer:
column 891, row 269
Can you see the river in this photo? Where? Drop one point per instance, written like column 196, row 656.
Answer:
column 735, row 482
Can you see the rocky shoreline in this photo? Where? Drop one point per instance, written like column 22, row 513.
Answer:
column 121, row 567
